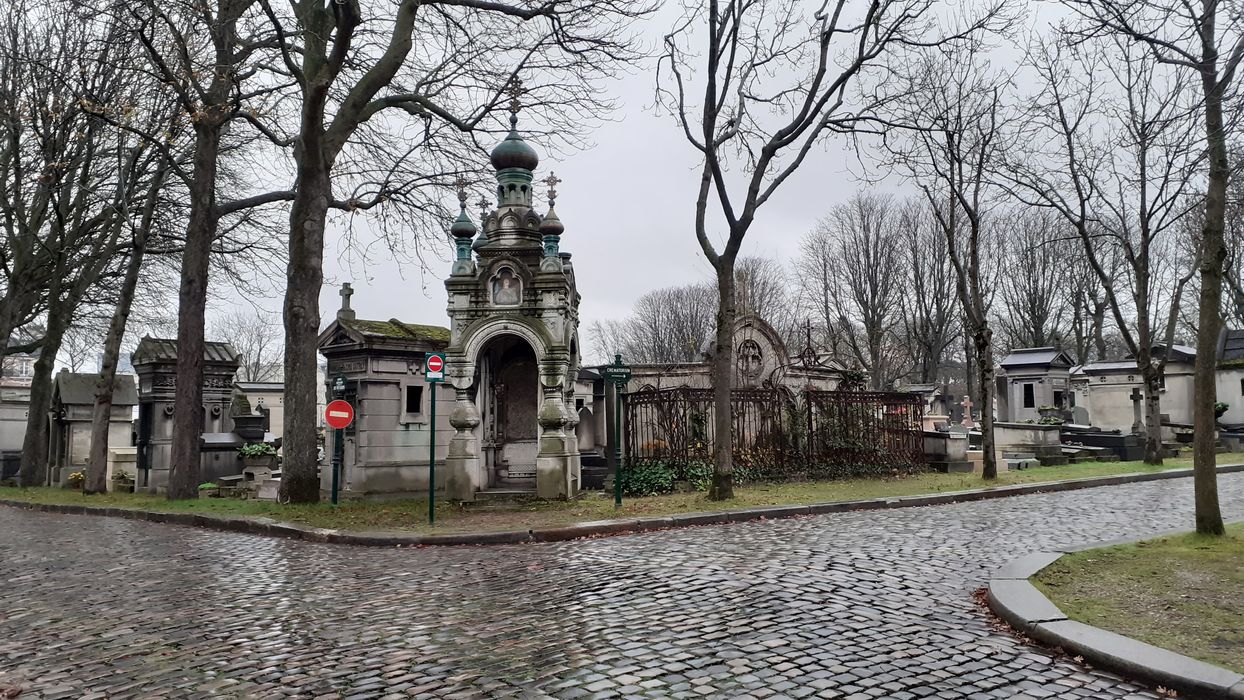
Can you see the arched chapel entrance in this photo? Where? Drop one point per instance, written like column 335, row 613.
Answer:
column 508, row 397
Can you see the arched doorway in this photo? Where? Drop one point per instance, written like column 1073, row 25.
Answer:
column 508, row 397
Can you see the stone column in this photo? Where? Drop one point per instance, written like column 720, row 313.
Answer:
column 572, row 443
column 462, row 479
column 552, row 461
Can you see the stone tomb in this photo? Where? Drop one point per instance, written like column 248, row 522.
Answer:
column 72, row 408
column 155, row 361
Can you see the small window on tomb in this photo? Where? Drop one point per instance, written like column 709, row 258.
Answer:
column 1242, row 387
column 578, row 404
column 1030, row 396
column 414, row 399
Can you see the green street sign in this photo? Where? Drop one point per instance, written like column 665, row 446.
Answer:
column 617, row 372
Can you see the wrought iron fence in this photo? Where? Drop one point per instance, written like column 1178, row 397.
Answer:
column 777, row 434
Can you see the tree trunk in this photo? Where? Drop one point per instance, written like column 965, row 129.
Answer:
column 35, row 443
column 1153, row 409
column 1209, row 320
column 300, row 481
column 101, row 418
column 722, row 376
column 983, row 341
column 183, row 480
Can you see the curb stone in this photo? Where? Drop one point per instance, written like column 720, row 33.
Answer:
column 257, row 525
column 1012, row 597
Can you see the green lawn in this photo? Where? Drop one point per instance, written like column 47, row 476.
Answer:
column 1182, row 593
column 411, row 515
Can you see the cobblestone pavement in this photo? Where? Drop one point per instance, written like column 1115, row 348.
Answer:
column 855, row 605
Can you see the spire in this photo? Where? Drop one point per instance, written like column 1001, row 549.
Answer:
column 513, row 159
column 463, row 229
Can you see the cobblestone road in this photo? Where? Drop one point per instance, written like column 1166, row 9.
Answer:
column 857, row 605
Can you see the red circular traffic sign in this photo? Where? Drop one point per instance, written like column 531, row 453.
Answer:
column 338, row 414
column 436, row 363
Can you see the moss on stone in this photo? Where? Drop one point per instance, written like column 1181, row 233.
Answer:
column 396, row 329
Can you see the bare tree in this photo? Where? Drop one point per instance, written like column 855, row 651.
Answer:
column 1033, row 292
column 765, row 81
column 930, row 310
column 257, row 339
column 1115, row 160
column 360, row 70
column 853, row 263
column 1208, row 38
column 961, row 103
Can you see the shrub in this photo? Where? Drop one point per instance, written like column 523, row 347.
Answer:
column 208, row 486
column 1220, row 408
column 647, row 479
column 121, row 476
column 257, row 449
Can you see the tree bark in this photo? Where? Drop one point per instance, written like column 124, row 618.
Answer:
column 1209, row 319
column 982, row 340
column 299, row 478
column 101, row 418
column 183, row 481
column 722, row 375
column 35, row 443
column 1153, row 409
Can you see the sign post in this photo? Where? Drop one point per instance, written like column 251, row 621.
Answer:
column 619, row 374
column 338, row 414
column 434, row 373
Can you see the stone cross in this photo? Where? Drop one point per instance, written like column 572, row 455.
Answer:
column 967, row 412
column 346, row 292
column 1138, row 426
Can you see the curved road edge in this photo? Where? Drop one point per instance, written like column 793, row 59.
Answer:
column 274, row 528
column 1012, row 597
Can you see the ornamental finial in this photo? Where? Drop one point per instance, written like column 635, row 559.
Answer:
column 514, row 88
column 461, row 184
column 552, row 181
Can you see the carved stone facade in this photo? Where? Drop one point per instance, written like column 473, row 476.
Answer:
column 513, row 354
column 155, row 361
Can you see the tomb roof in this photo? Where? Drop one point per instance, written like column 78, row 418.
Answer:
column 1049, row 356
column 1231, row 348
column 398, row 330
column 165, row 350
column 79, row 388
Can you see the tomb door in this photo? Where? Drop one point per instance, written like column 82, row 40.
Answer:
column 511, row 406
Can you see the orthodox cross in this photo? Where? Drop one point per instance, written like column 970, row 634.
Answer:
column 514, row 88
column 460, row 184
column 552, row 181
column 483, row 207
column 346, row 292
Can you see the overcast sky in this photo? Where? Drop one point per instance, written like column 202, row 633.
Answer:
column 628, row 206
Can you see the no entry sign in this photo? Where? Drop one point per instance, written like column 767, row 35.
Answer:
column 435, row 368
column 338, row 414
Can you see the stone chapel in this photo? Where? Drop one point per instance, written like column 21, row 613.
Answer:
column 507, row 413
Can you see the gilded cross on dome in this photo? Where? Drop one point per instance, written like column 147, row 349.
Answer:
column 552, row 181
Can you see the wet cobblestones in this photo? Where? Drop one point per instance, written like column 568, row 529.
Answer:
column 851, row 606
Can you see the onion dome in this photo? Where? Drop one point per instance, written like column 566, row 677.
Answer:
column 463, row 227
column 514, row 152
column 551, row 225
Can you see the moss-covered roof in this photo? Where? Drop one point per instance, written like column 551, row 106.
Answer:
column 398, row 330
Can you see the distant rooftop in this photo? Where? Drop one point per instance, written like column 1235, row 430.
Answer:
column 1049, row 356
column 1232, row 347
column 79, row 388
